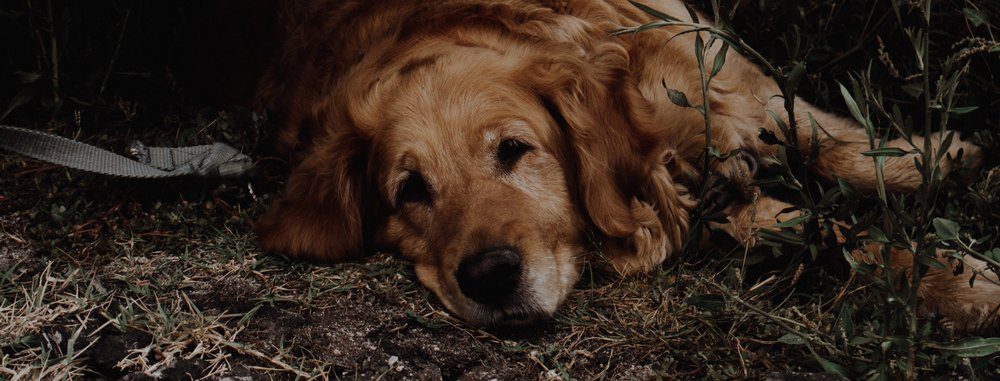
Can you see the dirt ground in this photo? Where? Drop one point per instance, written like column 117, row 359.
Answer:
column 106, row 278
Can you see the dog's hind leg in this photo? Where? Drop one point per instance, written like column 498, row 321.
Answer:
column 964, row 307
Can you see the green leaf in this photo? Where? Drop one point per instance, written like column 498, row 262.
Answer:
column 792, row 339
column 852, row 105
column 963, row 110
column 913, row 89
column 971, row 347
column 780, row 237
column 945, row 144
column 692, row 13
column 768, row 181
column 848, row 189
column 794, row 76
column 813, row 139
column 806, row 216
column 930, row 262
column 993, row 254
column 678, row 98
column 886, row 151
column 947, row 230
column 653, row 12
column 720, row 59
column 777, row 121
column 846, row 320
column 875, row 233
column 832, row 367
column 974, row 16
column 20, row 99
column 886, row 346
column 707, row 301
column 699, row 51
column 897, row 117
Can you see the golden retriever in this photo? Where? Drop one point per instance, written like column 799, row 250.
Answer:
column 486, row 140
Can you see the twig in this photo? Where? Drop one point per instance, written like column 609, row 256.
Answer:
column 968, row 249
column 258, row 354
column 114, row 57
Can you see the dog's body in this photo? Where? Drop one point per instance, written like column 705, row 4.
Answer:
column 483, row 139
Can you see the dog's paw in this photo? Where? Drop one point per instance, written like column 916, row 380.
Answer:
column 648, row 246
column 739, row 167
column 971, row 155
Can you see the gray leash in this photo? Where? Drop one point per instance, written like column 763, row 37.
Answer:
column 215, row 160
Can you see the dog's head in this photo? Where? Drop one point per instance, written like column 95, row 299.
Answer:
column 487, row 163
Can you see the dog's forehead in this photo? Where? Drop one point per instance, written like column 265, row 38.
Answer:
column 455, row 108
column 438, row 110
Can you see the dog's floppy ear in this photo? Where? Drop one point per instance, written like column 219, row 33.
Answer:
column 320, row 214
column 619, row 166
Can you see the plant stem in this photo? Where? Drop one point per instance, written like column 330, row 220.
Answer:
column 930, row 183
column 43, row 56
column 53, row 56
column 706, row 109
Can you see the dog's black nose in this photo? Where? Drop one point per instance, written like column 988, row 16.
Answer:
column 491, row 276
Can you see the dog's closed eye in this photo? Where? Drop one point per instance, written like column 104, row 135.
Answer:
column 413, row 190
column 509, row 152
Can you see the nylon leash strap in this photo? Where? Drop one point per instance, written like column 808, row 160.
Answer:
column 214, row 160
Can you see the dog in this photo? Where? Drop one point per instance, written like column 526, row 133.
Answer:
column 490, row 141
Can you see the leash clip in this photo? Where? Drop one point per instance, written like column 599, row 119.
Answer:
column 139, row 152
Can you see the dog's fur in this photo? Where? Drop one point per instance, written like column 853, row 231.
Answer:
column 444, row 128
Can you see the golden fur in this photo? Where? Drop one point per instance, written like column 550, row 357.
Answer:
column 375, row 96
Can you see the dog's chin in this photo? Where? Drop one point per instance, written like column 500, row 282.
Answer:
column 524, row 307
column 512, row 314
column 537, row 298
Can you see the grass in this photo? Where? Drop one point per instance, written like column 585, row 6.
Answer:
column 105, row 278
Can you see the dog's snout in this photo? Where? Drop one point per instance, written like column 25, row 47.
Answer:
column 491, row 276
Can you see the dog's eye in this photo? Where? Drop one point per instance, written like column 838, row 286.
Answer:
column 509, row 152
column 413, row 189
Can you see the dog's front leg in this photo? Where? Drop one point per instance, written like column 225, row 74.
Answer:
column 842, row 142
